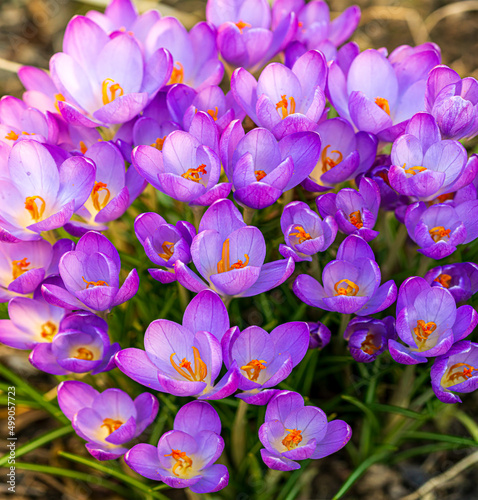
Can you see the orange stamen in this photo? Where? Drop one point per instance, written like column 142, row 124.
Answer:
column 465, row 374
column 368, row 346
column 185, row 369
column 195, row 174
column 100, row 186
column 84, row 353
column 351, row 290
column 183, row 462
column 301, row 235
column 11, row 136
column 254, row 368
column 112, row 425
column 168, row 250
column 439, row 232
column 327, row 162
column 444, row 280
column 48, row 330
column 224, row 264
column 83, row 148
column 177, row 76
column 94, row 283
column 32, row 207
column 424, row 330
column 241, row 25
column 445, row 197
column 384, row 176
column 115, row 90
column 158, row 143
column 283, row 105
column 213, row 113
column 260, row 174
column 19, row 267
column 292, row 439
column 59, row 98
column 413, row 170
column 383, row 104
column 356, row 219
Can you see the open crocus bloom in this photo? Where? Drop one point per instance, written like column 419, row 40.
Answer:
column 38, row 195
column 292, row 431
column 351, row 283
column 428, row 321
column 107, row 420
column 185, row 456
column 460, row 279
column 455, row 371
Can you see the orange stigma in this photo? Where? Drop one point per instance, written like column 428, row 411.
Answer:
column 19, row 267
column 350, row 291
column 413, row 170
column 224, row 264
column 59, row 98
column 241, row 25
column 444, row 280
column 159, row 143
column 110, row 90
column 384, row 176
column 356, row 219
column 283, row 106
column 83, row 148
column 292, row 439
column 260, row 174
column 168, row 250
column 213, row 113
column 254, row 368
column 195, row 174
column 465, row 374
column 327, row 161
column 48, row 331
column 183, row 462
column 177, row 76
column 424, row 330
column 11, row 136
column 185, row 369
column 111, row 425
column 94, row 283
column 84, row 353
column 368, row 346
column 301, row 235
column 439, row 232
column 100, row 186
column 32, row 206
column 383, row 104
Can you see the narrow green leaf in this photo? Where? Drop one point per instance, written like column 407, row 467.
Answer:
column 397, row 410
column 439, row 437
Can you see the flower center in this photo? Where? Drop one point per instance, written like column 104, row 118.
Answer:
column 111, row 425
column 356, row 219
column 260, row 174
column 439, row 232
column 350, row 290
column 413, row 170
column 301, row 235
column 59, row 98
column 213, row 113
column 444, row 280
column 35, row 208
column 368, row 345
column 453, row 376
column 177, row 76
column 384, row 176
column 254, row 368
column 19, row 267
column 445, row 197
column 95, row 196
column 12, row 136
column 327, row 161
column 158, row 143
column 224, row 264
column 183, row 462
column 84, row 353
column 48, row 331
column 94, row 283
column 383, row 104
column 241, row 25
column 424, row 330
column 195, row 174
column 83, row 148
column 168, row 250
column 185, row 369
column 110, row 90
column 292, row 439
column 283, row 106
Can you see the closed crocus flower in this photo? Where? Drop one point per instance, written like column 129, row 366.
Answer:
column 38, row 195
column 82, row 345
column 185, row 456
column 90, row 275
column 264, row 359
column 455, row 371
column 164, row 243
column 305, row 233
column 108, row 420
column 230, row 256
column 293, row 431
column 460, row 279
column 344, row 154
column 453, row 102
column 424, row 166
column 428, row 321
column 186, row 359
column 438, row 229
column 319, row 335
column 284, row 100
column 351, row 283
column 368, row 337
column 354, row 211
column 107, row 80
column 379, row 94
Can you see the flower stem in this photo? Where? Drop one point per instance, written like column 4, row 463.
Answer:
column 248, row 215
column 239, row 434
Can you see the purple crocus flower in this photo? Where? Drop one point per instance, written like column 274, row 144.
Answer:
column 354, row 211
column 284, row 100
column 292, row 431
column 453, row 102
column 38, row 195
column 319, row 335
column 107, row 420
column 230, row 256
column 438, row 229
column 185, row 169
column 455, row 371
column 82, row 345
column 368, row 337
column 186, row 359
column 344, row 155
column 90, row 274
column 424, row 166
column 244, row 34
column 379, row 94
column 460, row 279
column 305, row 233
column 106, row 80
column 264, row 359
column 164, row 243
column 428, row 321
column 351, row 283
column 185, row 456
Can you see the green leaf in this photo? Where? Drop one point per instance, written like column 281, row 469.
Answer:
column 439, row 437
column 398, row 410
